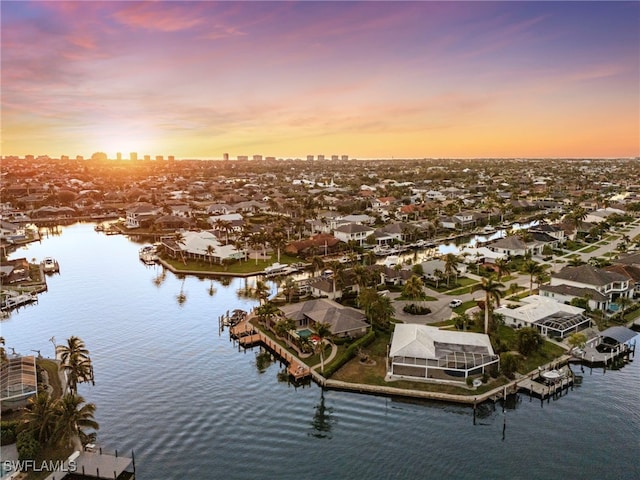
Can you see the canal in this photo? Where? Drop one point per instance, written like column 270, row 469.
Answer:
column 191, row 405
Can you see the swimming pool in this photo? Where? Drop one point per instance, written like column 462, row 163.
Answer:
column 304, row 333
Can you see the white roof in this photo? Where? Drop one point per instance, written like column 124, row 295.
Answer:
column 474, row 254
column 536, row 308
column 419, row 341
column 197, row 243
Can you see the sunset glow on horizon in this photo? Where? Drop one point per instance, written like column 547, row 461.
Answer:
column 290, row 79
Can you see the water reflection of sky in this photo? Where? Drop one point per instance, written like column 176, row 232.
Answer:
column 479, row 239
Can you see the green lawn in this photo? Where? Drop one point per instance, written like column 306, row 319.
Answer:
column 355, row 372
column 465, row 306
column 54, row 380
column 240, row 267
column 590, row 249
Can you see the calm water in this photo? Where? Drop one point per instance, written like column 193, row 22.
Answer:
column 192, row 406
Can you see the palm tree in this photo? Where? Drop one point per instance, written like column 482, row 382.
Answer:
column 75, row 360
column 493, row 291
column 461, row 321
column 262, row 291
column 360, row 276
column 266, row 312
column 323, row 331
column 277, row 240
column 316, row 264
column 40, row 417
column 542, row 278
column 450, row 265
column 413, row 288
column 575, row 261
column 288, row 288
column 179, row 239
column 78, row 370
column 623, row 302
column 210, row 251
column 503, row 267
column 532, row 268
column 75, row 347
column 72, row 417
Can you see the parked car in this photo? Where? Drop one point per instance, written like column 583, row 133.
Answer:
column 455, row 303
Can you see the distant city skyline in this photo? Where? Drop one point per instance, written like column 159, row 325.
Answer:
column 292, row 79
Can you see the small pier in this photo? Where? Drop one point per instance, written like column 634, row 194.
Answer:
column 619, row 348
column 15, row 299
column 248, row 336
column 94, row 463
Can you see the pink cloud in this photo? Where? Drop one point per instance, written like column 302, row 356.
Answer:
column 160, row 16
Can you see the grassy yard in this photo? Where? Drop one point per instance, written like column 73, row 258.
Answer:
column 546, row 354
column 590, row 249
column 54, row 380
column 465, row 306
column 356, row 372
column 240, row 267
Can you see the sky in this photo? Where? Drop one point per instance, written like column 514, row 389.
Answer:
column 366, row 79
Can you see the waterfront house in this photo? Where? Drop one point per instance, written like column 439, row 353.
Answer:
column 353, row 232
column 18, row 381
column 320, row 244
column 551, row 318
column 514, row 246
column 141, row 214
column 343, row 321
column 600, row 287
column 421, row 352
column 219, row 209
column 171, row 223
column 15, row 271
column 11, row 232
column 393, row 276
column 195, row 245
column 324, row 287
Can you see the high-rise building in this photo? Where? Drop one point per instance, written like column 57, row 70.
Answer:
column 147, row 158
column 171, row 158
column 321, row 158
column 344, row 158
column 225, row 156
column 118, row 156
column 257, row 158
column 133, row 156
column 334, row 158
column 309, row 158
column 159, row 158
column 243, row 157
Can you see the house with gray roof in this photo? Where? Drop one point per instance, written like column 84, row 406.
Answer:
column 343, row 321
column 352, row 232
column 601, row 287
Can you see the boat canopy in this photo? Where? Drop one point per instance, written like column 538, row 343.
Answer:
column 619, row 334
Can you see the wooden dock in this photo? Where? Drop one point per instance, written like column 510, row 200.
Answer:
column 248, row 336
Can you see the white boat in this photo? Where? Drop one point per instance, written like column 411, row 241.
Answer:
column 50, row 265
column 276, row 268
column 391, row 261
column 148, row 254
